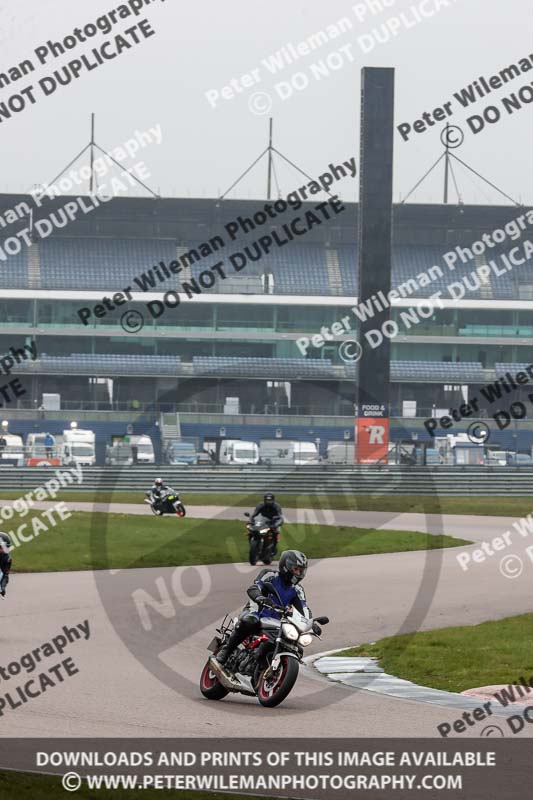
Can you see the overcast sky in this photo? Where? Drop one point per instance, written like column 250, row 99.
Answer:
column 200, row 46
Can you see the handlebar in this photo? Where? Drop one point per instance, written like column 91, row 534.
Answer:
column 283, row 610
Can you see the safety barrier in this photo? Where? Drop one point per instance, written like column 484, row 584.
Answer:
column 356, row 480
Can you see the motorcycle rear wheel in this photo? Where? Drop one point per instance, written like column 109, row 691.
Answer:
column 273, row 690
column 210, row 686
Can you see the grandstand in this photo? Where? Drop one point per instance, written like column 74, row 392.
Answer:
column 240, row 338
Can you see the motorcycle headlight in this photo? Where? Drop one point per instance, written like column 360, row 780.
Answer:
column 289, row 631
column 305, row 639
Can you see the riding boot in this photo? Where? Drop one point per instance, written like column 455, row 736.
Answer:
column 234, row 640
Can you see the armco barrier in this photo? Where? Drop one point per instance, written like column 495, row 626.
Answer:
column 475, row 481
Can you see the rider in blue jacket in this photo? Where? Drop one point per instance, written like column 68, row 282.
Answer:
column 270, row 588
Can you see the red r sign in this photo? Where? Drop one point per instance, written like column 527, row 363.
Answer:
column 371, row 440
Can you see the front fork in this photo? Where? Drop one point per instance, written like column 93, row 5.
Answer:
column 276, row 658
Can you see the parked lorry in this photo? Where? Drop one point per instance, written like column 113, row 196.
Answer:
column 78, row 447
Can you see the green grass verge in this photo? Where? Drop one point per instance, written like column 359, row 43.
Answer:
column 119, row 541
column 460, row 658
column 483, row 506
column 20, row 786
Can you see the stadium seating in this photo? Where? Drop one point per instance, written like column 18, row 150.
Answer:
column 104, row 364
column 298, row 268
column 290, row 368
column 14, row 270
column 438, row 371
column 408, row 262
column 502, row 369
column 255, row 367
column 90, row 263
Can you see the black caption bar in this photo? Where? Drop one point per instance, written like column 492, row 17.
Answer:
column 297, row 768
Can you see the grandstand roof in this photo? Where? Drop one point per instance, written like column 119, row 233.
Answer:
column 189, row 217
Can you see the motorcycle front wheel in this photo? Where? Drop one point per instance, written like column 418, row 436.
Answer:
column 180, row 509
column 272, row 689
column 210, row 686
column 255, row 547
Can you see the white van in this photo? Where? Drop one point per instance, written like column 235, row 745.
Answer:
column 305, row 453
column 282, row 451
column 130, row 450
column 13, row 451
column 341, row 452
column 145, row 449
column 235, row 451
column 181, row 452
column 275, row 451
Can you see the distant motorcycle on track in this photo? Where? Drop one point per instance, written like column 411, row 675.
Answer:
column 262, row 536
column 168, row 503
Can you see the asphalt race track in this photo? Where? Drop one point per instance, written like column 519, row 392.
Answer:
column 366, row 597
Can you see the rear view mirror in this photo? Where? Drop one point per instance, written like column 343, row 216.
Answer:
column 322, row 620
column 246, row 514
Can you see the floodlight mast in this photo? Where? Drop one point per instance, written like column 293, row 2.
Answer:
column 91, row 146
column 448, row 155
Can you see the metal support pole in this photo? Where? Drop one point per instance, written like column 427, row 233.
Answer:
column 91, row 188
column 269, row 183
column 446, row 166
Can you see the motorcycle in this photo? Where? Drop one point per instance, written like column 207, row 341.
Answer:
column 168, row 503
column 266, row 664
column 262, row 537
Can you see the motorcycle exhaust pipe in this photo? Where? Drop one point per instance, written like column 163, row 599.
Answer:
column 233, row 685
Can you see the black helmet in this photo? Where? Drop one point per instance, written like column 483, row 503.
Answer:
column 292, row 566
column 5, row 542
column 269, row 497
